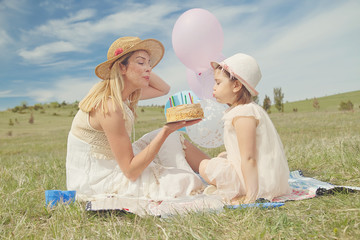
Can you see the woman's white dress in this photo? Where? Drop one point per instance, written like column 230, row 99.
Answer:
column 91, row 168
column 273, row 170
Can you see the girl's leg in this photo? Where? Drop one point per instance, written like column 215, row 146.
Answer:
column 202, row 169
column 194, row 155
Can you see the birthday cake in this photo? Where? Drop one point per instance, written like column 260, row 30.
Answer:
column 184, row 112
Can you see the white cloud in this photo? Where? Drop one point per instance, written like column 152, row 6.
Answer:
column 52, row 6
column 78, row 31
column 46, row 52
column 66, row 89
column 312, row 52
column 42, row 95
column 16, row 5
column 6, row 93
column 67, row 64
column 5, row 39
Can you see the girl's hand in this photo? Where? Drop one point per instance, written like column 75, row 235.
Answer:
column 249, row 200
column 223, row 155
column 242, row 200
column 251, row 196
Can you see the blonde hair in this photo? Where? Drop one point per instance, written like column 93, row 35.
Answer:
column 110, row 88
column 243, row 96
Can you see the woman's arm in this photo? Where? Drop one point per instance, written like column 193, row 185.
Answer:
column 132, row 166
column 157, row 87
column 245, row 128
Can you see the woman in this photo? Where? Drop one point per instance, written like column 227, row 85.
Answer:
column 100, row 157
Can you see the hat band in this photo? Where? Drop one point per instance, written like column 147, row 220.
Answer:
column 247, row 85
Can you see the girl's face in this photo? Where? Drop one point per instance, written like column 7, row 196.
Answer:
column 137, row 72
column 224, row 89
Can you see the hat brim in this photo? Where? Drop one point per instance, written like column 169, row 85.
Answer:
column 154, row 48
column 252, row 91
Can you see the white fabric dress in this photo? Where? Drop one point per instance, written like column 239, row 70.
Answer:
column 273, row 170
column 91, row 168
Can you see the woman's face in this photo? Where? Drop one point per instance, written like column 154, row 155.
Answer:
column 137, row 72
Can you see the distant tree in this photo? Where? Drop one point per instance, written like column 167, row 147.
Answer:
column 267, row 104
column 347, row 106
column 24, row 104
column 38, row 106
column 256, row 99
column 16, row 109
column 55, row 105
column 278, row 99
column 316, row 104
column 31, row 119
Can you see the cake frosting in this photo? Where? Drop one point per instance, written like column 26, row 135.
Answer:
column 184, row 112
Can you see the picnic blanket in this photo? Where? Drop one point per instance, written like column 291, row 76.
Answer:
column 302, row 188
column 306, row 187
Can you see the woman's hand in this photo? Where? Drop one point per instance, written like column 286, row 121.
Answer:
column 172, row 127
column 157, row 88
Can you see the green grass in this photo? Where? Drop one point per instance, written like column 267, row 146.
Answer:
column 325, row 144
column 328, row 103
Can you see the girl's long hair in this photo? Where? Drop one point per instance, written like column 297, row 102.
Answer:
column 111, row 89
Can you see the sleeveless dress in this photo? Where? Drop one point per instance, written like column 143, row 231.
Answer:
column 273, row 170
column 91, row 168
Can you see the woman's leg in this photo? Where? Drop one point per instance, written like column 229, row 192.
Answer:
column 194, row 155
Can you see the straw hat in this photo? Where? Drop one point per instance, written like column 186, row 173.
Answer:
column 244, row 68
column 125, row 45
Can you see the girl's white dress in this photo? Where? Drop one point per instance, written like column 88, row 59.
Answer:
column 91, row 168
column 273, row 170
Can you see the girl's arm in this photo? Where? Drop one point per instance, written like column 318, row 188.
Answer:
column 132, row 166
column 157, row 87
column 245, row 128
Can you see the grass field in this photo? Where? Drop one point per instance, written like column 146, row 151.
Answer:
column 324, row 144
column 328, row 103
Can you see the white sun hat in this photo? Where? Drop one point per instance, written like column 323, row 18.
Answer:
column 244, row 68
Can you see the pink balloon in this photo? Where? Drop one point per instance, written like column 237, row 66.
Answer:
column 202, row 83
column 193, row 82
column 197, row 39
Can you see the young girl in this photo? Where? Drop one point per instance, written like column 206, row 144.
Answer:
column 254, row 164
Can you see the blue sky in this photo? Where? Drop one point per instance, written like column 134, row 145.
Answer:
column 49, row 49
